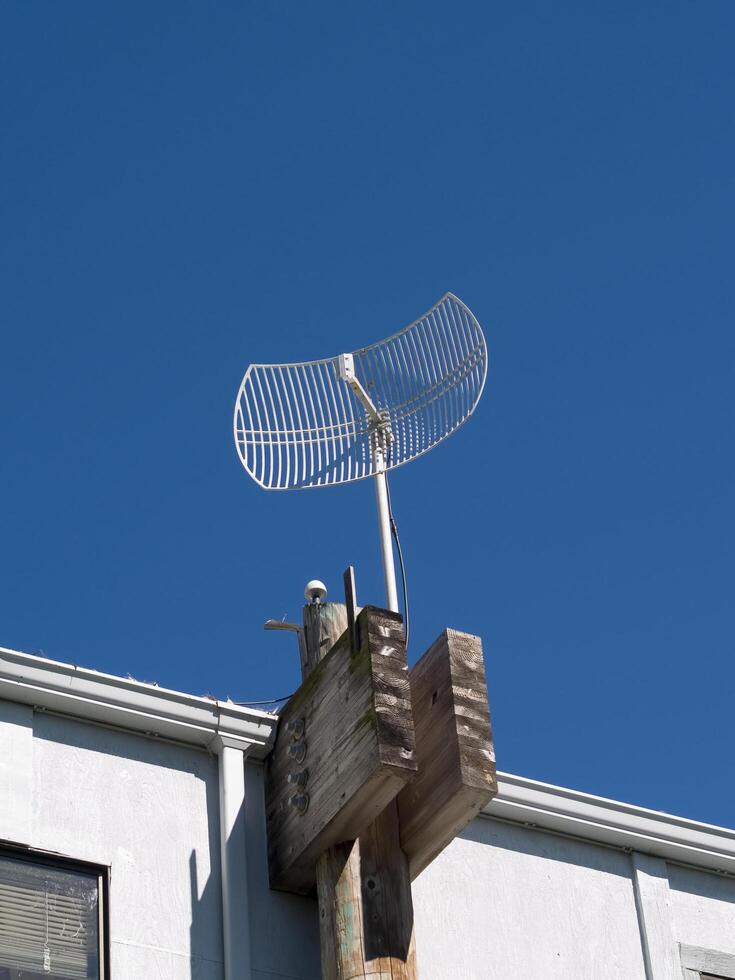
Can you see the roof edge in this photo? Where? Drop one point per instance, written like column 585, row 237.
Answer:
column 603, row 821
column 133, row 705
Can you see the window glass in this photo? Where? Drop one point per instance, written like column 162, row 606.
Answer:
column 49, row 922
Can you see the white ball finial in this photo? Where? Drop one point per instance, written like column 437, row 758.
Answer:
column 315, row 590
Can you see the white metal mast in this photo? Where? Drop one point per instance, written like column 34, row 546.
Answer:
column 382, row 437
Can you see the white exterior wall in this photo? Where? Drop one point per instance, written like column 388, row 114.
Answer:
column 703, row 916
column 148, row 810
column 506, row 902
column 284, row 929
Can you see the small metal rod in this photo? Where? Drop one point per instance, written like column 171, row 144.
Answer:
column 351, row 604
column 380, row 433
column 386, row 541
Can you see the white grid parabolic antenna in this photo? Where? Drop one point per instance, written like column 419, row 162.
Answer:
column 301, row 425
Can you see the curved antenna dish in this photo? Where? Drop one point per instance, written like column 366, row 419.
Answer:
column 345, row 418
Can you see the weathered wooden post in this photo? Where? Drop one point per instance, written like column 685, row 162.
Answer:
column 373, row 772
column 344, row 750
column 364, row 885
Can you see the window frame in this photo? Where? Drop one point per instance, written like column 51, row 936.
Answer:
column 697, row 962
column 60, row 862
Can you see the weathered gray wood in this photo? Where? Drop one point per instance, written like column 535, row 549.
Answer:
column 364, row 889
column 347, row 737
column 338, row 868
column 324, row 623
column 340, row 911
column 365, row 908
column 454, row 748
column 388, row 936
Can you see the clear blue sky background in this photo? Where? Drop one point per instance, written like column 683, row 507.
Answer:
column 190, row 187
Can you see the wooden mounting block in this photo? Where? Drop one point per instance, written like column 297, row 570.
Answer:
column 344, row 748
column 454, row 748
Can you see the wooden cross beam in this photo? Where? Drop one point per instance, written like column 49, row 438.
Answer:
column 454, row 749
column 344, row 748
column 373, row 772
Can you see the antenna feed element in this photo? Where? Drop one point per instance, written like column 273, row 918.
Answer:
column 315, row 590
column 346, row 367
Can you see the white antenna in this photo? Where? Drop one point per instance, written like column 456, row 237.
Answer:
column 344, row 418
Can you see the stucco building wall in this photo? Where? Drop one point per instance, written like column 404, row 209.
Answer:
column 148, row 810
column 505, row 901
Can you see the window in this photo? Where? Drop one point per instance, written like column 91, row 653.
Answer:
column 50, row 920
column 706, row 964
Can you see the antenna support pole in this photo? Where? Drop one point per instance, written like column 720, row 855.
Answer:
column 386, row 542
column 379, row 423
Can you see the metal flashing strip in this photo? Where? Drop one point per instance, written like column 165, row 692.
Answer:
column 133, row 705
column 599, row 820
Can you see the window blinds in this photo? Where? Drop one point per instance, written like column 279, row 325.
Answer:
column 48, row 921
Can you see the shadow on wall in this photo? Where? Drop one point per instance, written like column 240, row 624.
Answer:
column 146, row 806
column 204, row 908
column 536, row 842
column 702, row 884
column 284, row 929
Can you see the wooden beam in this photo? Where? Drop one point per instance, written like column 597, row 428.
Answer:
column 364, row 889
column 324, row 623
column 365, row 907
column 454, row 748
column 344, row 747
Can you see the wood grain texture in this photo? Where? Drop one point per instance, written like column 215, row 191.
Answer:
column 454, row 747
column 365, row 907
column 355, row 710
column 340, row 911
column 388, row 939
column 324, row 623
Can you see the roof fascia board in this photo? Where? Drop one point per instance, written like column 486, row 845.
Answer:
column 133, row 705
column 594, row 818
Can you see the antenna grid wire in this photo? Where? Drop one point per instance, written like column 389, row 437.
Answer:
column 300, row 425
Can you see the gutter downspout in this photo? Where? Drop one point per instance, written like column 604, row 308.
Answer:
column 233, row 855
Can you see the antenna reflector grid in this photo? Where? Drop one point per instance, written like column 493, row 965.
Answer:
column 303, row 425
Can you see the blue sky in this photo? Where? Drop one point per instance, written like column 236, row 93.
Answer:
column 190, row 187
